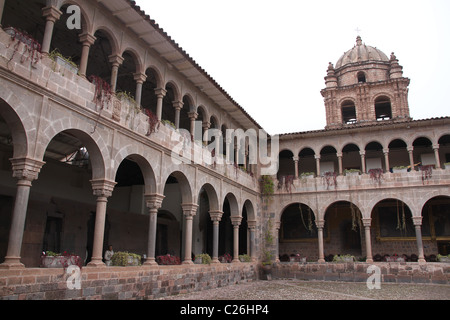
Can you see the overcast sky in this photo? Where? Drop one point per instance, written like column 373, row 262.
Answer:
column 272, row 56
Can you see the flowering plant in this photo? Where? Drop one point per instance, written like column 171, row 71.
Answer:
column 226, row 258
column 65, row 259
column 168, row 260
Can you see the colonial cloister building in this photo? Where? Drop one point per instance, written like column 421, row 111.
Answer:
column 87, row 151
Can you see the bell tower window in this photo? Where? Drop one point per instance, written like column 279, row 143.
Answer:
column 383, row 108
column 348, row 112
column 361, row 77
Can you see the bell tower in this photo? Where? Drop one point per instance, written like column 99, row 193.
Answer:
column 365, row 87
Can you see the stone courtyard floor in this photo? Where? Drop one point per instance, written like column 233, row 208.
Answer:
column 319, row 290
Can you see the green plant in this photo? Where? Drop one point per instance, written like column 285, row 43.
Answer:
column 352, row 170
column 442, row 257
column 267, row 186
column 245, row 258
column 169, row 123
column 342, row 258
column 121, row 258
column 206, row 258
column 306, row 174
column 56, row 54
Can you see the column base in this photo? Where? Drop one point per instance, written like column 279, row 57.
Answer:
column 150, row 262
column 321, row 261
column 12, row 263
column 96, row 264
column 187, row 262
column 215, row 261
column 369, row 260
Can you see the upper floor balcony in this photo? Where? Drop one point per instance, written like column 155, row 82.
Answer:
column 57, row 77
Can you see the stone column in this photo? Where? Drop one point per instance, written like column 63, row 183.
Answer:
column 367, row 222
column 320, row 224
column 277, row 241
column 317, row 165
column 192, row 117
column 178, row 105
column 25, row 171
column 436, row 156
column 236, row 222
column 418, row 227
column 363, row 161
column 87, row 41
column 2, row 6
column 51, row 14
column 252, row 230
column 102, row 190
column 153, row 203
column 411, row 157
column 140, row 79
column 341, row 167
column 216, row 217
column 296, row 159
column 386, row 160
column 116, row 62
column 189, row 211
column 160, row 94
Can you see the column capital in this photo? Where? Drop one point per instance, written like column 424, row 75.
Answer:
column 367, row 222
column 189, row 209
column 417, row 221
column 251, row 224
column 140, row 77
column 193, row 115
column 26, row 169
column 178, row 105
column 216, row 215
column 116, row 59
column 160, row 92
column 317, row 157
column 362, row 153
column 103, row 187
column 206, row 125
column 154, row 201
column 51, row 13
column 295, row 159
column 320, row 224
column 410, row 149
column 435, row 146
column 236, row 221
column 87, row 38
column 386, row 151
column 339, row 154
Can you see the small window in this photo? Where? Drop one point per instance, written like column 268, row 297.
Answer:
column 383, row 108
column 348, row 112
column 361, row 77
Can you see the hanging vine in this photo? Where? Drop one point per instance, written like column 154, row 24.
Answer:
column 102, row 95
column 427, row 172
column 308, row 226
column 376, row 175
column 401, row 218
column 330, row 179
column 356, row 218
column 32, row 48
column 153, row 122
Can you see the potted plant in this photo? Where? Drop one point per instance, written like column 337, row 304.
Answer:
column 62, row 61
column 203, row 258
column 51, row 259
column 442, row 258
column 226, row 258
column 245, row 258
column 307, row 175
column 124, row 259
column 167, row 260
column 352, row 172
column 343, row 258
column 447, row 166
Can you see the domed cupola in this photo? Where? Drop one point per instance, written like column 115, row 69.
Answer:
column 361, row 53
column 365, row 87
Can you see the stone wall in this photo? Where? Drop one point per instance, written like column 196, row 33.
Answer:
column 123, row 283
column 397, row 272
